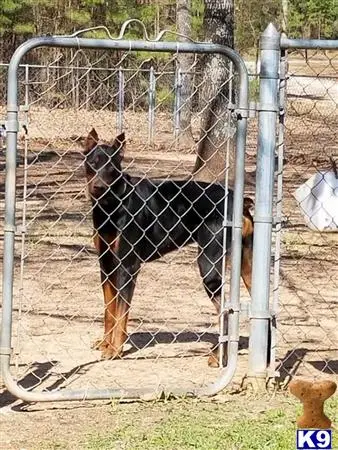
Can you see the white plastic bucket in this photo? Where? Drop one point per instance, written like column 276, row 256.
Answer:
column 318, row 201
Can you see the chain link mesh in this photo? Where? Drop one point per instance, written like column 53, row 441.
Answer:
column 307, row 329
column 58, row 302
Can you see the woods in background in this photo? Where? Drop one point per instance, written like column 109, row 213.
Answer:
column 21, row 19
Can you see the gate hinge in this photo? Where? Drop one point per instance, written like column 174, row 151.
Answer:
column 14, row 125
column 227, row 223
column 223, row 339
column 244, row 112
column 230, row 307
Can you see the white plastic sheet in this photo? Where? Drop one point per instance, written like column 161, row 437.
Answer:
column 318, row 201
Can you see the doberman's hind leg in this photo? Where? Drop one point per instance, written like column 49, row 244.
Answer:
column 247, row 245
column 210, row 266
column 246, row 269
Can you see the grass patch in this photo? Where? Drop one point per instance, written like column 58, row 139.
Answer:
column 188, row 425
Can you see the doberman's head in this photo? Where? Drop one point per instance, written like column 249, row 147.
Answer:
column 103, row 166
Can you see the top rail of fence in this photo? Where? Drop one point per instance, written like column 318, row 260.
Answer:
column 320, row 44
column 98, row 69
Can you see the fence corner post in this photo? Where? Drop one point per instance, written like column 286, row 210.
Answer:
column 268, row 111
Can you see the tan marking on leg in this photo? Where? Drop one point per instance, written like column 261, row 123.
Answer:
column 246, row 269
column 213, row 360
column 109, row 294
column 247, row 228
column 120, row 335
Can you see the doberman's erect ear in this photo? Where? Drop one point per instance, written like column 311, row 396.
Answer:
column 119, row 144
column 91, row 141
column 247, row 203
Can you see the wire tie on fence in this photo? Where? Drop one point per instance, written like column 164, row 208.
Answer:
column 78, row 43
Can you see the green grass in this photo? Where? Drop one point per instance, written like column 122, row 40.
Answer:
column 206, row 426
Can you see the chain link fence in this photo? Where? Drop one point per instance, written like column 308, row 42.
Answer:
column 138, row 87
column 57, row 292
column 307, row 339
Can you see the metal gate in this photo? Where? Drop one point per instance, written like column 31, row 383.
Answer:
column 55, row 282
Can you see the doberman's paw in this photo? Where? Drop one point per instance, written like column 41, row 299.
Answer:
column 213, row 360
column 111, row 353
column 100, row 344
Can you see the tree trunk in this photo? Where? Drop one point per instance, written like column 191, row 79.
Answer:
column 185, row 61
column 216, row 127
column 285, row 16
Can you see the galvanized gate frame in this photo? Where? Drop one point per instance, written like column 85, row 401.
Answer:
column 233, row 306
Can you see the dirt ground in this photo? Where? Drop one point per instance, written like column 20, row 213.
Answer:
column 58, row 307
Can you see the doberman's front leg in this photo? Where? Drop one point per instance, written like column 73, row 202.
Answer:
column 125, row 289
column 110, row 295
column 108, row 265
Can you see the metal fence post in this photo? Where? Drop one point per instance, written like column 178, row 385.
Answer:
column 278, row 212
column 151, row 100
column 120, row 101
column 177, row 102
column 268, row 110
